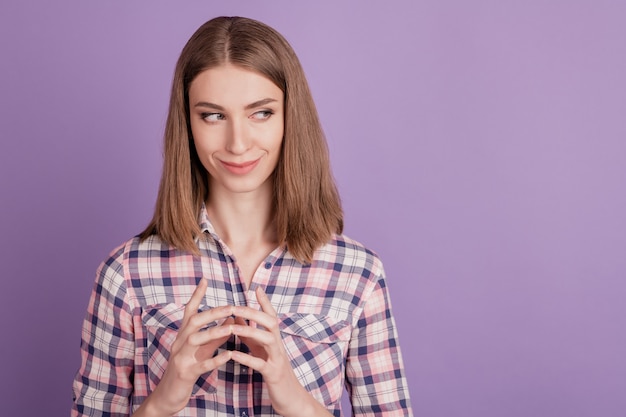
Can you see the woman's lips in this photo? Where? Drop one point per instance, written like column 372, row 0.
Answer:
column 240, row 168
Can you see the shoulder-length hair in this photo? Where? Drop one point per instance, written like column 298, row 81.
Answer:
column 306, row 204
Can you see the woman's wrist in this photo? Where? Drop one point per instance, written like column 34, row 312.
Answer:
column 151, row 407
column 304, row 405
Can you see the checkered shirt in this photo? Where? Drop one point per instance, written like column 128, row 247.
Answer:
column 335, row 319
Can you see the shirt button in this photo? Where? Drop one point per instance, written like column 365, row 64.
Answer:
column 268, row 265
column 244, row 369
column 244, row 414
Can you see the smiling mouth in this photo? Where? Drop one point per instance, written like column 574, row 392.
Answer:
column 240, row 168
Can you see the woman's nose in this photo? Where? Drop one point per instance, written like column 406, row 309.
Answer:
column 237, row 141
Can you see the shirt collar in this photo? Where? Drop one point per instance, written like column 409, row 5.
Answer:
column 204, row 222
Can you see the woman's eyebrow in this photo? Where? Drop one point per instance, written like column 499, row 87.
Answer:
column 254, row 105
column 209, row 105
column 260, row 103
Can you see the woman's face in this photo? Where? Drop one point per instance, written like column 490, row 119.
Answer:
column 237, row 122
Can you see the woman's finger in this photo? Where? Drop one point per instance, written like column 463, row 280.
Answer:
column 214, row 362
column 204, row 318
column 194, row 302
column 259, row 317
column 264, row 301
column 219, row 334
column 250, row 361
column 250, row 315
column 259, row 336
column 201, row 320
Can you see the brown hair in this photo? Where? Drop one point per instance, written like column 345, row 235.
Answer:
column 307, row 209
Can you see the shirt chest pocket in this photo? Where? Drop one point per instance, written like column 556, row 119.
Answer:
column 316, row 347
column 162, row 323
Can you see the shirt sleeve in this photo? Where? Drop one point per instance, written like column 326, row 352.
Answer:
column 375, row 376
column 103, row 386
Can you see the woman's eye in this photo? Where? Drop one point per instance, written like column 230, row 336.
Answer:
column 212, row 117
column 262, row 115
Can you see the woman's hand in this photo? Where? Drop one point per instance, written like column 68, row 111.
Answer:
column 191, row 356
column 268, row 356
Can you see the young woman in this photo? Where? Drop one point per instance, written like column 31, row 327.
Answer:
column 242, row 297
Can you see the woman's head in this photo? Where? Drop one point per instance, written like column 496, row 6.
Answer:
column 306, row 203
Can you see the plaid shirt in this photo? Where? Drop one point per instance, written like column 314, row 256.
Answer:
column 335, row 318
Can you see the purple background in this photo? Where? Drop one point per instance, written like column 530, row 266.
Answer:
column 479, row 148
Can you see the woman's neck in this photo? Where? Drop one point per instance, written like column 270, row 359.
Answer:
column 243, row 219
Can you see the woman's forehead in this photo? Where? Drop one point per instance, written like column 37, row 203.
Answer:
column 230, row 85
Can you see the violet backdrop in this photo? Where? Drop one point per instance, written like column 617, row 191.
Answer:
column 479, row 148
